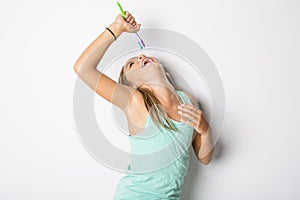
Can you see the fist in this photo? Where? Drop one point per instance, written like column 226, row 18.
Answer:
column 128, row 24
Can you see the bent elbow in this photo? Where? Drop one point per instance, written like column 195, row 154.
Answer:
column 207, row 158
column 78, row 65
column 76, row 68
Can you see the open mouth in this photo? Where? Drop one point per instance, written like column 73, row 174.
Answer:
column 146, row 61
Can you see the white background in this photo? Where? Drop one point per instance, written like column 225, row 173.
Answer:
column 254, row 45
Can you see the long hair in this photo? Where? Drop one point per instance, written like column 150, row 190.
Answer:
column 153, row 105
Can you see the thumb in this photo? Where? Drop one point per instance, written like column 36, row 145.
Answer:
column 137, row 28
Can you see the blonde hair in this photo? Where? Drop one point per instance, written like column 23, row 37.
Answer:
column 153, row 105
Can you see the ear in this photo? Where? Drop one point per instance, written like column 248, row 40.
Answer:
column 168, row 75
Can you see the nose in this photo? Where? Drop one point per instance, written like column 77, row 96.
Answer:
column 141, row 56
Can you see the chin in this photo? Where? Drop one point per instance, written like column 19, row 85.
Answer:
column 154, row 66
column 153, row 72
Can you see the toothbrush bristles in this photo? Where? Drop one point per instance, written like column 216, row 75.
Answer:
column 140, row 45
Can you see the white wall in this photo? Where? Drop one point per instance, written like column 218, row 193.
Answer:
column 254, row 45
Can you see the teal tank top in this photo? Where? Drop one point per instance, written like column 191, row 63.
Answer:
column 159, row 161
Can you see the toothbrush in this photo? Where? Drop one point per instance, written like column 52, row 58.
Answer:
column 141, row 42
column 140, row 39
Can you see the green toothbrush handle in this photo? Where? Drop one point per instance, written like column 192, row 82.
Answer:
column 122, row 11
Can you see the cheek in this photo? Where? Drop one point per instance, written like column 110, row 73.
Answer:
column 138, row 74
column 132, row 75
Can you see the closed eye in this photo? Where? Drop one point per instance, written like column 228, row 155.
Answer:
column 130, row 64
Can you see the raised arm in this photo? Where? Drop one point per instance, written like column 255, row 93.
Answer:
column 86, row 65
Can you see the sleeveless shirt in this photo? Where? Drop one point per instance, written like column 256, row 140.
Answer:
column 159, row 161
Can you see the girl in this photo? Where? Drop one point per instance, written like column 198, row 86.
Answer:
column 151, row 104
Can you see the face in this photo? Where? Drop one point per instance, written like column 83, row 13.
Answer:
column 138, row 62
column 142, row 68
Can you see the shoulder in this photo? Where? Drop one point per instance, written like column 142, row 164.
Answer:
column 190, row 96
column 136, row 98
column 136, row 104
column 136, row 112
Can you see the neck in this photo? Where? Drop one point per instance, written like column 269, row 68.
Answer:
column 165, row 92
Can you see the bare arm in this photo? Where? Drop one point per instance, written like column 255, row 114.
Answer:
column 203, row 147
column 203, row 142
column 86, row 65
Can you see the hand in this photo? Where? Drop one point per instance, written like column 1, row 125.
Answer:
column 192, row 116
column 127, row 25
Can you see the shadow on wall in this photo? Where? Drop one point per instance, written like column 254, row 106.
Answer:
column 194, row 179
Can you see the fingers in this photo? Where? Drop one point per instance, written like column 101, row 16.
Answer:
column 130, row 19
column 188, row 120
column 190, row 110
column 191, row 115
column 128, row 16
column 188, row 116
column 137, row 27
